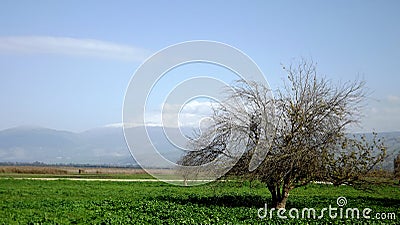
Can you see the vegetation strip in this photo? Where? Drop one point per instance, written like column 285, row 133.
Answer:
column 101, row 179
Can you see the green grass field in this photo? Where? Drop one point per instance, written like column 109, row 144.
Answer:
column 94, row 202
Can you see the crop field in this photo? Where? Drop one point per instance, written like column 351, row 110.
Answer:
column 101, row 202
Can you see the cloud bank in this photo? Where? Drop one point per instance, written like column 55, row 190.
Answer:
column 192, row 114
column 72, row 47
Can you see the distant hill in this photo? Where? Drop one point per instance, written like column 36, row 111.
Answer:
column 107, row 145
column 96, row 146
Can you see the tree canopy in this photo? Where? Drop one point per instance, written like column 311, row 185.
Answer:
column 299, row 135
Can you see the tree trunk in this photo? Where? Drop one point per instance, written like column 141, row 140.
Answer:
column 282, row 202
column 279, row 195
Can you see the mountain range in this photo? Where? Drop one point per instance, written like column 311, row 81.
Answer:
column 104, row 145
column 107, row 145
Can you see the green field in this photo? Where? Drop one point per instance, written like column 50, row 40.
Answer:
column 102, row 202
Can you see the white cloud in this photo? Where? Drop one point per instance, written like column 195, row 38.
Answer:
column 114, row 125
column 393, row 99
column 190, row 115
column 120, row 125
column 72, row 47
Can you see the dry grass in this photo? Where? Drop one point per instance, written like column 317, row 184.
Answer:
column 108, row 170
column 67, row 170
column 32, row 170
column 64, row 170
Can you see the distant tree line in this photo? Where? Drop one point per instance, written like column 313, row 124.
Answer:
column 85, row 165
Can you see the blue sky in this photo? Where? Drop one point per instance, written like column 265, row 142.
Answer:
column 66, row 64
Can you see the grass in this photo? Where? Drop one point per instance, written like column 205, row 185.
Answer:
column 81, row 202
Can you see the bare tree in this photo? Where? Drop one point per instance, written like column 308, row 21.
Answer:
column 297, row 137
column 397, row 167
